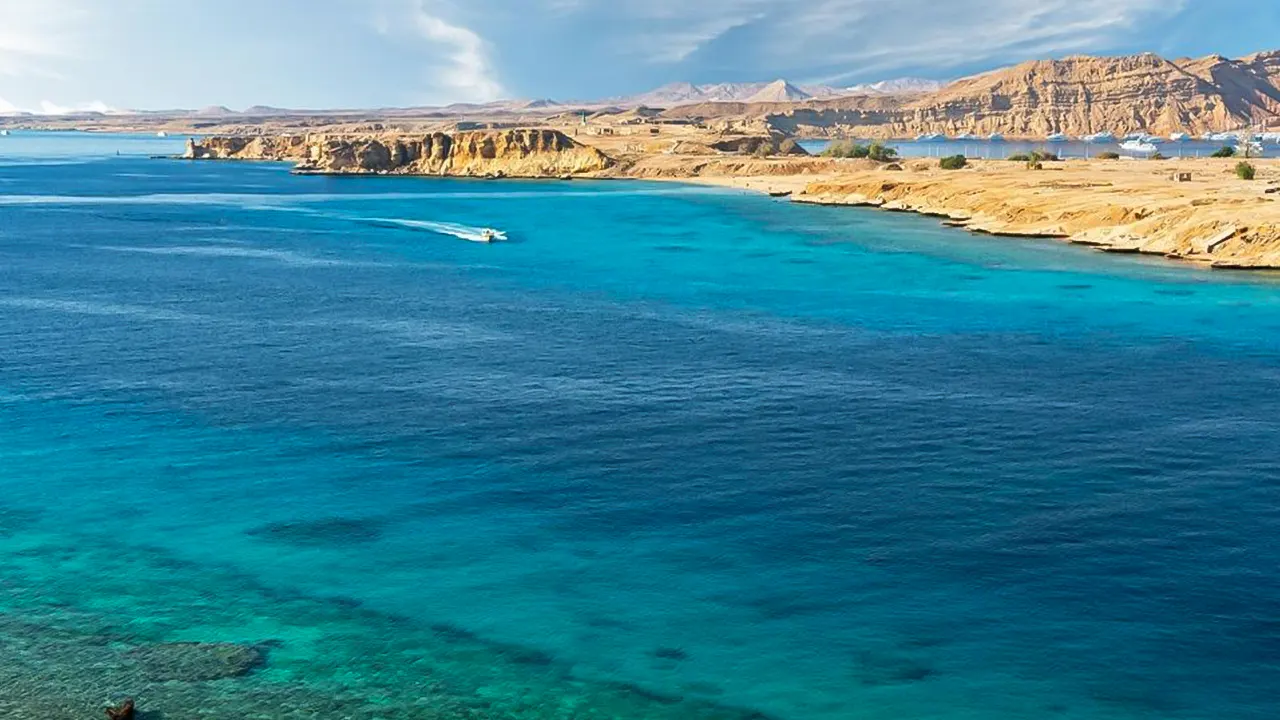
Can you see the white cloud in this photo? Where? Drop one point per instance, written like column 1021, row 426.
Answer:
column 36, row 36
column 838, row 39
column 458, row 68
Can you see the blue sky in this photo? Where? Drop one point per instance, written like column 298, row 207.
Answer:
column 151, row 54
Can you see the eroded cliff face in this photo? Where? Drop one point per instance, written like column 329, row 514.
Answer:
column 1077, row 96
column 490, row 153
column 264, row 147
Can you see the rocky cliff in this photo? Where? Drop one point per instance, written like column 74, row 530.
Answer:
column 505, row 153
column 1076, row 95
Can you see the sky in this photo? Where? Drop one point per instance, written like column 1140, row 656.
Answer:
column 57, row 55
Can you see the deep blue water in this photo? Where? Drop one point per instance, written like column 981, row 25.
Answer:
column 818, row 463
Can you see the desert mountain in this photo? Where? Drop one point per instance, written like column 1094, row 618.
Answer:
column 1075, row 95
column 898, row 86
column 779, row 91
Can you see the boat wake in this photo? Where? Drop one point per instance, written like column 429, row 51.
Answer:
column 464, row 232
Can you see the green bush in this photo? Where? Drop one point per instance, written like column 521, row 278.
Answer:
column 954, row 162
column 1036, row 156
column 1246, row 171
column 1108, row 156
column 875, row 151
column 881, row 153
column 1226, row 151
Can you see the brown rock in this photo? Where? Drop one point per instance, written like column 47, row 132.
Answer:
column 485, row 153
column 123, row 711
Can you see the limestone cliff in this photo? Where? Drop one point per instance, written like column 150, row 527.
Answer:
column 505, row 153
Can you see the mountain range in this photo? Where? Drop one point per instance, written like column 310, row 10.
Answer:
column 684, row 93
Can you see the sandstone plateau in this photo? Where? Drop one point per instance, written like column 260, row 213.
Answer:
column 509, row 153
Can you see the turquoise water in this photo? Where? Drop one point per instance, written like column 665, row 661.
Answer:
column 670, row 453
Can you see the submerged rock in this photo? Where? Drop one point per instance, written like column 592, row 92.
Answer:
column 123, row 711
column 196, row 662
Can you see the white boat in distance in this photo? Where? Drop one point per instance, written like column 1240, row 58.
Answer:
column 1100, row 137
column 931, row 137
column 1057, row 138
column 1139, row 147
column 995, row 137
column 1180, row 137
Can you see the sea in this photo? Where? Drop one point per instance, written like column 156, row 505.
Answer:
column 301, row 447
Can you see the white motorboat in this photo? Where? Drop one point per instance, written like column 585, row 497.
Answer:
column 1180, row 137
column 489, row 235
column 1100, row 137
column 1057, row 138
column 995, row 137
column 931, row 137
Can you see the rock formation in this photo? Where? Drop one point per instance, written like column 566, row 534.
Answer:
column 488, row 153
column 1075, row 95
column 124, row 711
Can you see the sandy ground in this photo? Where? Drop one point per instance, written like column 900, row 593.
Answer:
column 1116, row 206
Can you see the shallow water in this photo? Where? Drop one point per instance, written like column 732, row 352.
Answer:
column 671, row 452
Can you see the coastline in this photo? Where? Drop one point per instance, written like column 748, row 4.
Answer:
column 1116, row 207
column 1193, row 210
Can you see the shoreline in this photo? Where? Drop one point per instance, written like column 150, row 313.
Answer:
column 1192, row 210
column 1203, row 226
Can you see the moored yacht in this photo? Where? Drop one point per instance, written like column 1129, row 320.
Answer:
column 1057, row 138
column 1138, row 147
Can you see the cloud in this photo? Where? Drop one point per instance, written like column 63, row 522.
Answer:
column 834, row 40
column 37, row 37
column 458, row 64
column 363, row 53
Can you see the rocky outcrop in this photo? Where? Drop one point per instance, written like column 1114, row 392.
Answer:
column 248, row 147
column 774, row 144
column 487, row 153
